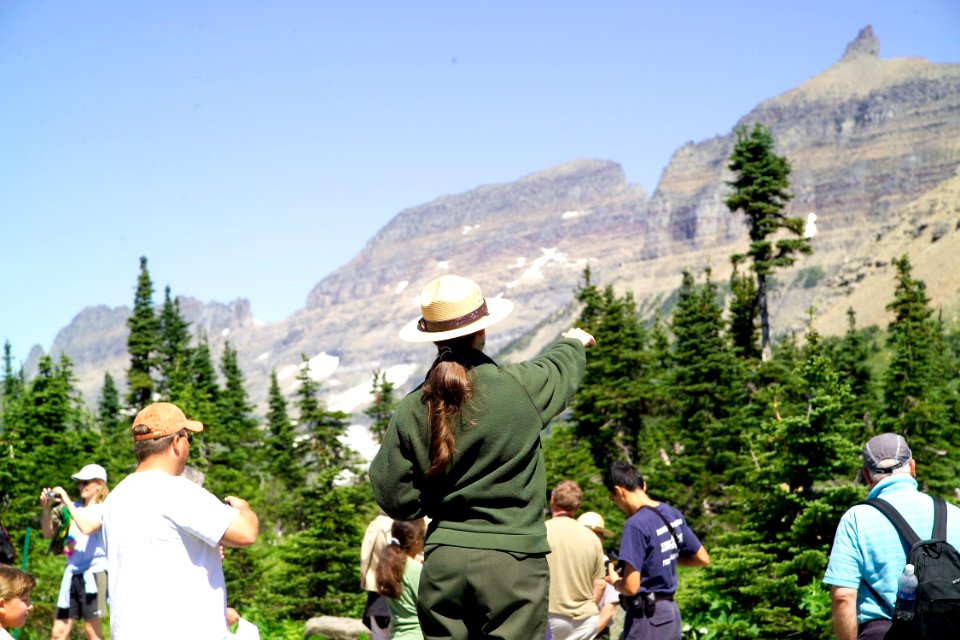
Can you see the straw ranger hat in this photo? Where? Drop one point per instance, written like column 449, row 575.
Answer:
column 594, row 521
column 451, row 307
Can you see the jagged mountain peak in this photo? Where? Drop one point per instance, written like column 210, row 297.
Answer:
column 861, row 73
column 865, row 44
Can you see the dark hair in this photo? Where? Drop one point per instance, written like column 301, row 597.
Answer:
column 143, row 449
column 406, row 536
column 445, row 392
column 623, row 474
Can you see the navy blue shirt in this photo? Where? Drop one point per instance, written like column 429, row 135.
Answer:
column 649, row 547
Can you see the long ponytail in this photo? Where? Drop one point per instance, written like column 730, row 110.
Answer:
column 445, row 392
column 405, row 537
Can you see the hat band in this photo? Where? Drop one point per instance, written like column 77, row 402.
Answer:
column 436, row 326
column 892, row 467
column 154, row 434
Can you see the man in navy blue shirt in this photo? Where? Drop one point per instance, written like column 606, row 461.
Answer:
column 655, row 540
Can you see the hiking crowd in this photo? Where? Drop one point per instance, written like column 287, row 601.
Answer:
column 462, row 550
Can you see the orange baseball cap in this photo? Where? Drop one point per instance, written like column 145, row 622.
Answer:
column 163, row 419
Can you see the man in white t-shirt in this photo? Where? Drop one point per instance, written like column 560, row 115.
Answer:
column 162, row 533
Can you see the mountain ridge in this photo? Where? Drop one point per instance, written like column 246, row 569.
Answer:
column 872, row 143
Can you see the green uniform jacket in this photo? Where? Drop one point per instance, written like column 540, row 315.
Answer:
column 494, row 493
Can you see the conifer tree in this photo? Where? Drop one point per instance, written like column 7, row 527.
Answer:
column 764, row 579
column 108, row 405
column 614, row 397
column 12, row 381
column 916, row 341
column 315, row 569
column 851, row 357
column 236, row 461
column 45, row 425
column 199, row 400
column 117, row 443
column 282, row 497
column 174, row 353
column 381, row 409
column 707, row 390
column 12, row 386
column 323, row 427
column 913, row 384
column 143, row 342
column 281, row 441
column 567, row 457
column 760, row 190
column 743, row 315
column 704, row 370
column 233, row 445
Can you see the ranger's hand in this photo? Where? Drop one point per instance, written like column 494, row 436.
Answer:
column 579, row 334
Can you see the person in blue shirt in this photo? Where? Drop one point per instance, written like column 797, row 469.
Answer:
column 655, row 539
column 868, row 556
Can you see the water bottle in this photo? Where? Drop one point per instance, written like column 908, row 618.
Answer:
column 907, row 595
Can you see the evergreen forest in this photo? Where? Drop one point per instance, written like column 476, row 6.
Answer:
column 756, row 439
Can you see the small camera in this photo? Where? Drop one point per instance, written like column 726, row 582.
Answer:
column 613, row 559
column 52, row 495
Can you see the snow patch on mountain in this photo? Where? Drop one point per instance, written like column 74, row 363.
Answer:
column 358, row 396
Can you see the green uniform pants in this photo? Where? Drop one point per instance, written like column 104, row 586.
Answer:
column 474, row 594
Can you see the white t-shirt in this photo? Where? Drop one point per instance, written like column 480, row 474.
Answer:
column 246, row 630
column 87, row 552
column 4, row 635
column 165, row 574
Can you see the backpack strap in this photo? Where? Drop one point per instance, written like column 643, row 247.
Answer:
column 906, row 532
column 939, row 518
column 673, row 532
column 903, row 528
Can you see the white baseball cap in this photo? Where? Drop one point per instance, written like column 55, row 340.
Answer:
column 91, row 472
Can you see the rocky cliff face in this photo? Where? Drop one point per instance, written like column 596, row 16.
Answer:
column 96, row 339
column 872, row 143
column 865, row 138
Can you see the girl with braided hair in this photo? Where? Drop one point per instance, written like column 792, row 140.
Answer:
column 398, row 577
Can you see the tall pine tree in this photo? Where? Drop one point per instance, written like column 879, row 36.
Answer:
column 384, row 404
column 615, row 396
column 913, row 384
column 114, row 431
column 707, row 390
column 174, row 352
column 142, row 343
column 322, row 427
column 760, row 190
column 235, row 451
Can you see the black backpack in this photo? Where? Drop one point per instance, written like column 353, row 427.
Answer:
column 8, row 555
column 937, row 565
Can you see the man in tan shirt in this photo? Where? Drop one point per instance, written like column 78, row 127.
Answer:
column 576, row 568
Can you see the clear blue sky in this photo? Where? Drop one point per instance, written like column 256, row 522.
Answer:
column 248, row 149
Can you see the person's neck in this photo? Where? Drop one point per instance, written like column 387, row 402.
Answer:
column 560, row 513
column 639, row 499
column 159, row 463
